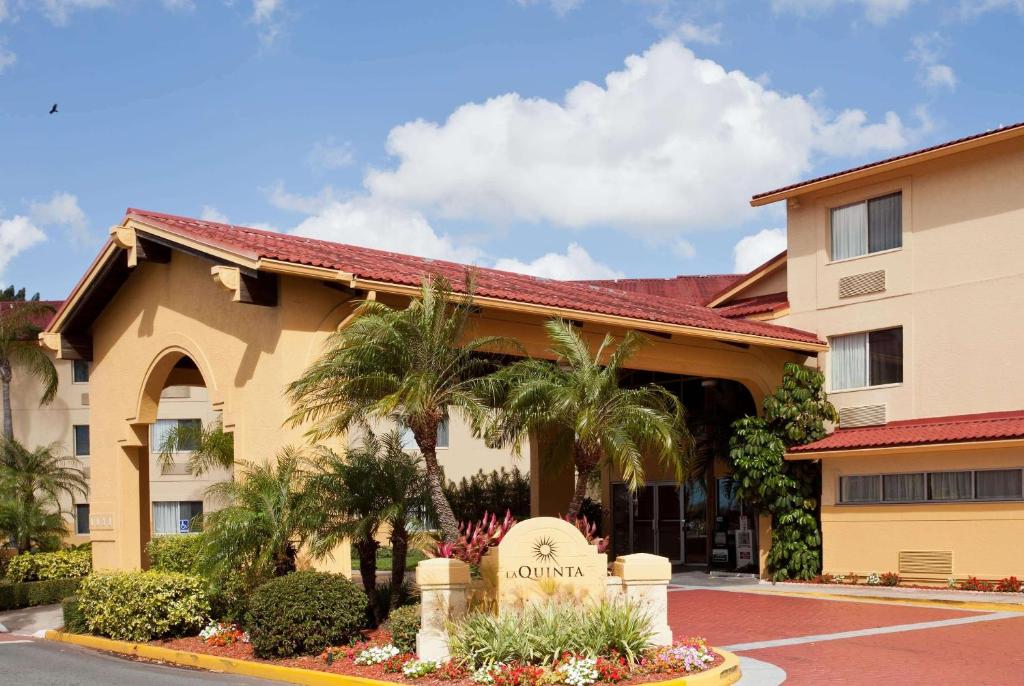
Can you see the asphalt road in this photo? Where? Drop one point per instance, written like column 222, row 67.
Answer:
column 44, row 663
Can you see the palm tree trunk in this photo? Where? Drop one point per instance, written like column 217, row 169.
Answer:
column 582, row 479
column 399, row 553
column 426, row 439
column 367, row 549
column 5, row 382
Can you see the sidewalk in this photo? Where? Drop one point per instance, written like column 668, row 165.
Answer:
column 29, row 620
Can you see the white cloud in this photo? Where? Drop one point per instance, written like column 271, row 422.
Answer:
column 179, row 5
column 209, row 213
column 62, row 210
column 971, row 8
column 17, row 234
column 939, row 76
column 60, row 11
column 366, row 222
column 4, row 13
column 575, row 264
column 689, row 32
column 877, row 11
column 926, row 50
column 330, row 154
column 755, row 250
column 684, row 249
column 670, row 143
column 7, row 58
column 559, row 7
column 266, row 14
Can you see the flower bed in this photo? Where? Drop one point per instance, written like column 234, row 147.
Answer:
column 378, row 659
column 1010, row 584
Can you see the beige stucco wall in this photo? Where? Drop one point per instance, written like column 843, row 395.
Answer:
column 983, row 536
column 953, row 285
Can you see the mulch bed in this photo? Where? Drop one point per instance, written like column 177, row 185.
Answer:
column 243, row 651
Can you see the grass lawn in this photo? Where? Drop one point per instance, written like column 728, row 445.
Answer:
column 384, row 559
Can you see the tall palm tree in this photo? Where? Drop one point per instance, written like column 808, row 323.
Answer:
column 19, row 348
column 578, row 401
column 209, row 446
column 267, row 517
column 376, row 486
column 35, row 480
column 416, row 363
column 31, row 525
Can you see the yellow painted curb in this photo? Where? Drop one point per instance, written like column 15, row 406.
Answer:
column 921, row 602
column 725, row 674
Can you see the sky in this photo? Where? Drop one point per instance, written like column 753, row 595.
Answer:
column 572, row 139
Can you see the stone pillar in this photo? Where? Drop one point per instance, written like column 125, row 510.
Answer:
column 645, row 580
column 552, row 479
column 443, row 583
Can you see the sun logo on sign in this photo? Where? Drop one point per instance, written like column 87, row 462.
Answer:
column 544, row 550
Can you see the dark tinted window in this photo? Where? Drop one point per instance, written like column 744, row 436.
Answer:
column 80, row 371
column 81, row 440
column 885, row 356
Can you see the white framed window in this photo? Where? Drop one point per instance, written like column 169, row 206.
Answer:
column 873, row 358
column 161, row 428
column 912, row 487
column 867, row 227
column 79, row 371
column 81, row 438
column 409, row 441
column 177, row 517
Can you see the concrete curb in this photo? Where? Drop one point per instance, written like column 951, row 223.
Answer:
column 725, row 674
column 892, row 600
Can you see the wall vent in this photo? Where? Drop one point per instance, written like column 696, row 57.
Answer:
column 926, row 562
column 85, row 400
column 864, row 415
column 862, row 284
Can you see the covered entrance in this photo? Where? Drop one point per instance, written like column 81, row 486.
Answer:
column 662, row 518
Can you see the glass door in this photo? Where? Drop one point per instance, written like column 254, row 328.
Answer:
column 696, row 520
column 644, row 511
column 670, row 522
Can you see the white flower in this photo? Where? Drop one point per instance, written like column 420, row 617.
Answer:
column 376, row 655
column 414, row 669
column 484, row 675
column 874, row 579
column 579, row 671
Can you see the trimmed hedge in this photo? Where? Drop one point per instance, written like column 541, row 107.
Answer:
column 303, row 613
column 74, row 620
column 62, row 564
column 404, row 623
column 175, row 553
column 141, row 606
column 32, row 593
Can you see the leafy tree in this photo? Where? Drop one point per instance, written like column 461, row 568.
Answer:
column 793, row 415
column 209, row 446
column 415, row 364
column 267, row 517
column 9, row 294
column 31, row 484
column 375, row 487
column 578, row 401
column 19, row 348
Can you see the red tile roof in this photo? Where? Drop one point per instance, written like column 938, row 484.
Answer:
column 965, row 428
column 862, row 167
column 758, row 304
column 396, row 268
column 692, row 289
column 41, row 321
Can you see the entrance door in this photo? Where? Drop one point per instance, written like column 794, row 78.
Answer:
column 696, row 543
column 670, row 522
column 652, row 520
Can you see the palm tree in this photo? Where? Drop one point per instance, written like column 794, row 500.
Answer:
column 579, row 402
column 266, row 519
column 376, row 486
column 33, row 481
column 19, row 347
column 31, row 525
column 415, row 364
column 209, row 446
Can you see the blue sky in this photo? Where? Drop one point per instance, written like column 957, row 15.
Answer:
column 566, row 138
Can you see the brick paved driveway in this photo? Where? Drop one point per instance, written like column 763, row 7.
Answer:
column 839, row 642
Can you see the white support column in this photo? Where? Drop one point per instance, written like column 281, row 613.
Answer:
column 645, row 582
column 443, row 589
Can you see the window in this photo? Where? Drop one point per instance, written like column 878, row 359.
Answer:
column 81, row 435
column 81, row 519
column 177, row 517
column 998, row 484
column 989, row 484
column 79, row 371
column 867, row 227
column 867, row 359
column 409, row 441
column 187, row 431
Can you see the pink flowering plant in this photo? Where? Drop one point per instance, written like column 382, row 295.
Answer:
column 688, row 655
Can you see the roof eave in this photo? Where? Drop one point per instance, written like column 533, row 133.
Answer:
column 890, row 450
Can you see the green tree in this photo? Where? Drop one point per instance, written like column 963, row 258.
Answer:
column 31, row 484
column 416, row 363
column 9, row 294
column 209, row 446
column 19, row 348
column 578, row 402
column 267, row 516
column 787, row 490
column 376, row 487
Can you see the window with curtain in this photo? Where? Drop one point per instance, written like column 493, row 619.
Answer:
column 169, row 516
column 81, row 435
column 867, row 227
column 162, row 427
column 903, row 488
column 951, row 485
column 860, row 489
column 998, row 484
column 874, row 358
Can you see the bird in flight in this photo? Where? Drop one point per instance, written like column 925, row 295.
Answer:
column 53, row 110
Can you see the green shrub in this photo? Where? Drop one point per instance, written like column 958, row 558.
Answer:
column 63, row 564
column 493, row 492
column 141, row 606
column 175, row 553
column 303, row 613
column 404, row 623
column 74, row 620
column 541, row 633
column 33, row 593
